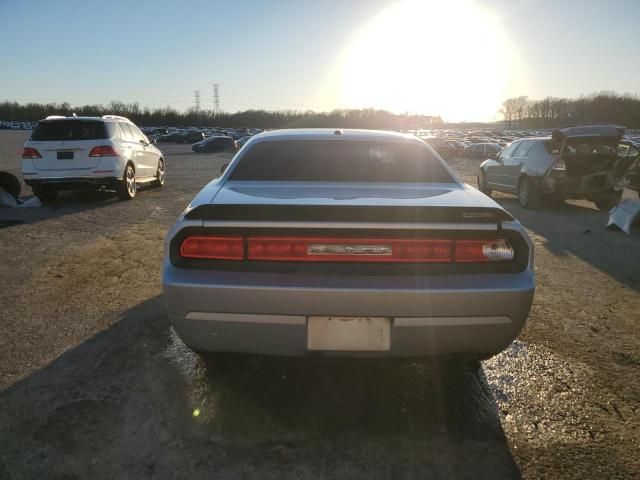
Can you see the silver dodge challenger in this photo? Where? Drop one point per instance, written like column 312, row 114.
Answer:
column 345, row 243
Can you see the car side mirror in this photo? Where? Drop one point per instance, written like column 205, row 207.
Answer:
column 223, row 167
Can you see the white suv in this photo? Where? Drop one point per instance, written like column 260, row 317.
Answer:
column 64, row 153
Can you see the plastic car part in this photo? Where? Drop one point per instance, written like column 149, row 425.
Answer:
column 624, row 215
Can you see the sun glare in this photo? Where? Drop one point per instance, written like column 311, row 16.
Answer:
column 431, row 57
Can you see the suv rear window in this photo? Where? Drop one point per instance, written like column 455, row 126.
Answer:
column 65, row 130
column 340, row 161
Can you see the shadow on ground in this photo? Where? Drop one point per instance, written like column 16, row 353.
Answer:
column 571, row 228
column 133, row 402
column 67, row 203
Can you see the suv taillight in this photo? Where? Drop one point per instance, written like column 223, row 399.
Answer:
column 30, row 153
column 103, row 151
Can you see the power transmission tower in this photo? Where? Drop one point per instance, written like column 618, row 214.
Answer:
column 197, row 95
column 216, row 98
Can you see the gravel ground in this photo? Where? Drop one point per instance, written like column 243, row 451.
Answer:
column 95, row 384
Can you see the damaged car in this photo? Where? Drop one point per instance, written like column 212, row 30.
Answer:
column 580, row 162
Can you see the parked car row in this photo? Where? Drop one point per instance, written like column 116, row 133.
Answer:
column 16, row 125
column 195, row 134
column 480, row 144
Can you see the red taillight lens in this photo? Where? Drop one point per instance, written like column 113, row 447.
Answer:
column 213, row 248
column 30, row 153
column 348, row 250
column 468, row 251
column 103, row 151
column 323, row 249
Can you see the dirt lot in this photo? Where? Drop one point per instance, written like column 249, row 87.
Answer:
column 95, row 385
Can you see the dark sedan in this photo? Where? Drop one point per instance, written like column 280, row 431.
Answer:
column 215, row 145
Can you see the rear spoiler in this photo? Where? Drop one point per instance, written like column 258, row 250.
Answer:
column 350, row 213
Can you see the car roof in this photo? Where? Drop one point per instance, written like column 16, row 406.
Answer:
column 108, row 118
column 335, row 134
column 529, row 139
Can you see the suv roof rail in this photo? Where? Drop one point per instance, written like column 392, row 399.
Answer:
column 51, row 117
column 115, row 117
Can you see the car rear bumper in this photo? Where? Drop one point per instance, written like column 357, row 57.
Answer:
column 73, row 182
column 268, row 313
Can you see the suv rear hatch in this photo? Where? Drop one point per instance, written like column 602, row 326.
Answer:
column 65, row 145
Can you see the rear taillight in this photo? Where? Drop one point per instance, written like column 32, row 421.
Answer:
column 483, row 251
column 367, row 250
column 103, row 151
column 213, row 248
column 30, row 153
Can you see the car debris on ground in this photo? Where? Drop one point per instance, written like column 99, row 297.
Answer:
column 10, row 193
column 625, row 215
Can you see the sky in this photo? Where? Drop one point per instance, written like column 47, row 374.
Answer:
column 455, row 58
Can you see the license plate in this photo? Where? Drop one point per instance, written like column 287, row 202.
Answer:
column 65, row 155
column 349, row 333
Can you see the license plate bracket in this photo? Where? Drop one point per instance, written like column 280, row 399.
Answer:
column 338, row 333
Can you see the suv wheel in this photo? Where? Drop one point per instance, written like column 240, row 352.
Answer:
column 45, row 193
column 127, row 187
column 528, row 194
column 159, row 181
column 482, row 183
column 607, row 201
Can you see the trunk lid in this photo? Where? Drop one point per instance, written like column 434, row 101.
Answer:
column 65, row 144
column 65, row 156
column 311, row 201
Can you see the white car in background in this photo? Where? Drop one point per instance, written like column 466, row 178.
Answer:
column 65, row 153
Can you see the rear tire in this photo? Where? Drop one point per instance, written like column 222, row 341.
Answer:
column 127, row 187
column 45, row 193
column 10, row 184
column 159, row 181
column 482, row 184
column 528, row 194
column 607, row 201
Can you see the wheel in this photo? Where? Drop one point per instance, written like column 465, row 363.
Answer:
column 482, row 184
column 127, row 187
column 607, row 201
column 159, row 181
column 528, row 194
column 45, row 193
column 10, row 184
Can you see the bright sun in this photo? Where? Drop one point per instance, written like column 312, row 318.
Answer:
column 442, row 57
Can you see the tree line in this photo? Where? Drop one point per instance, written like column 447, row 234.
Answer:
column 168, row 116
column 602, row 107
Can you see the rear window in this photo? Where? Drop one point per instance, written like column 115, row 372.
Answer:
column 340, row 161
column 65, row 130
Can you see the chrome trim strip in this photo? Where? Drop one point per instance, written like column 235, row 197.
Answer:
column 248, row 318
column 450, row 321
column 490, row 227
